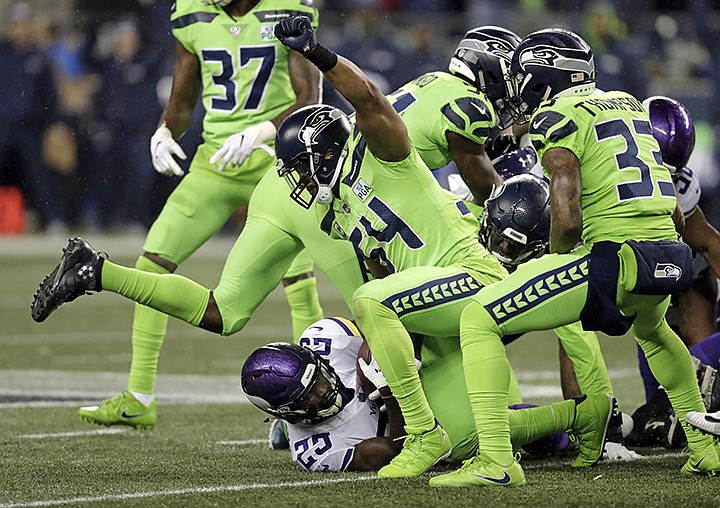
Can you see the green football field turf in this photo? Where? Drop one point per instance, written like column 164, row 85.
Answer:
column 209, row 447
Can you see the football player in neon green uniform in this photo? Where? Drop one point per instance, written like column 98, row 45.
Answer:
column 249, row 276
column 608, row 188
column 447, row 117
column 368, row 185
column 448, row 226
column 249, row 83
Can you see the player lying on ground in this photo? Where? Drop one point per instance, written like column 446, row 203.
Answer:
column 520, row 193
column 55, row 290
column 333, row 425
column 447, row 225
column 458, row 101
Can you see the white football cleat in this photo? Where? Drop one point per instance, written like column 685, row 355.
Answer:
column 706, row 422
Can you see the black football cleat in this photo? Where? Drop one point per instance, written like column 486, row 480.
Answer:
column 77, row 274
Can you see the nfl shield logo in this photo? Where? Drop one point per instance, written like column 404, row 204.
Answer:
column 235, row 30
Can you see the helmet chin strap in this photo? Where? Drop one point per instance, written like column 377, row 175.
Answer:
column 325, row 194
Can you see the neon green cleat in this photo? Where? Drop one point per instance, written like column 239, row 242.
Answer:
column 420, row 452
column 705, row 462
column 592, row 417
column 481, row 471
column 122, row 409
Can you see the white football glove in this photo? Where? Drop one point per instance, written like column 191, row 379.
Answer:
column 162, row 149
column 238, row 147
column 374, row 375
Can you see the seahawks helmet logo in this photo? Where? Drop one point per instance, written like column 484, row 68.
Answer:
column 496, row 47
column 565, row 59
column 316, row 123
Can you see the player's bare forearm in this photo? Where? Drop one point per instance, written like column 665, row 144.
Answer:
column 568, row 380
column 306, row 82
column 356, row 87
column 678, row 219
column 383, row 129
column 396, row 421
column 565, row 199
column 699, row 234
column 473, row 165
column 186, row 86
column 374, row 453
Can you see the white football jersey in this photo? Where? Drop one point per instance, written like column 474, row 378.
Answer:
column 329, row 445
column 687, row 190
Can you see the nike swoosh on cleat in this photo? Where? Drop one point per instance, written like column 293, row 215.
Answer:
column 125, row 415
column 500, row 481
column 697, row 464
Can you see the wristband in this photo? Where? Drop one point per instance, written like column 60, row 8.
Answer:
column 323, row 58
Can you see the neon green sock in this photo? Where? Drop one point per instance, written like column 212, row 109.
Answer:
column 148, row 332
column 168, row 293
column 527, row 425
column 393, row 349
column 487, row 375
column 304, row 305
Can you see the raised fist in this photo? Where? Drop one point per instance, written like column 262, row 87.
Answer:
column 296, row 33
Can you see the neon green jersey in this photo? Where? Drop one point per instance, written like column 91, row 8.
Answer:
column 626, row 192
column 437, row 103
column 397, row 214
column 245, row 74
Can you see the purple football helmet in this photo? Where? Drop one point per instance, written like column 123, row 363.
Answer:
column 293, row 383
column 673, row 129
column 515, row 224
column 517, row 162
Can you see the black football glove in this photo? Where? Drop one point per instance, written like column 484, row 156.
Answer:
column 500, row 145
column 297, row 33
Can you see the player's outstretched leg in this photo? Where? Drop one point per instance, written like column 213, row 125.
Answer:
column 705, row 422
column 420, row 452
column 592, row 417
column 482, row 471
column 123, row 409
column 77, row 274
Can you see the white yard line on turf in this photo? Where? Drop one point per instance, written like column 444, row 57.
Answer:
column 72, row 434
column 240, row 443
column 182, row 492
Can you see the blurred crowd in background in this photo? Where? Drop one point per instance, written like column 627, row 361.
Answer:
column 83, row 84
